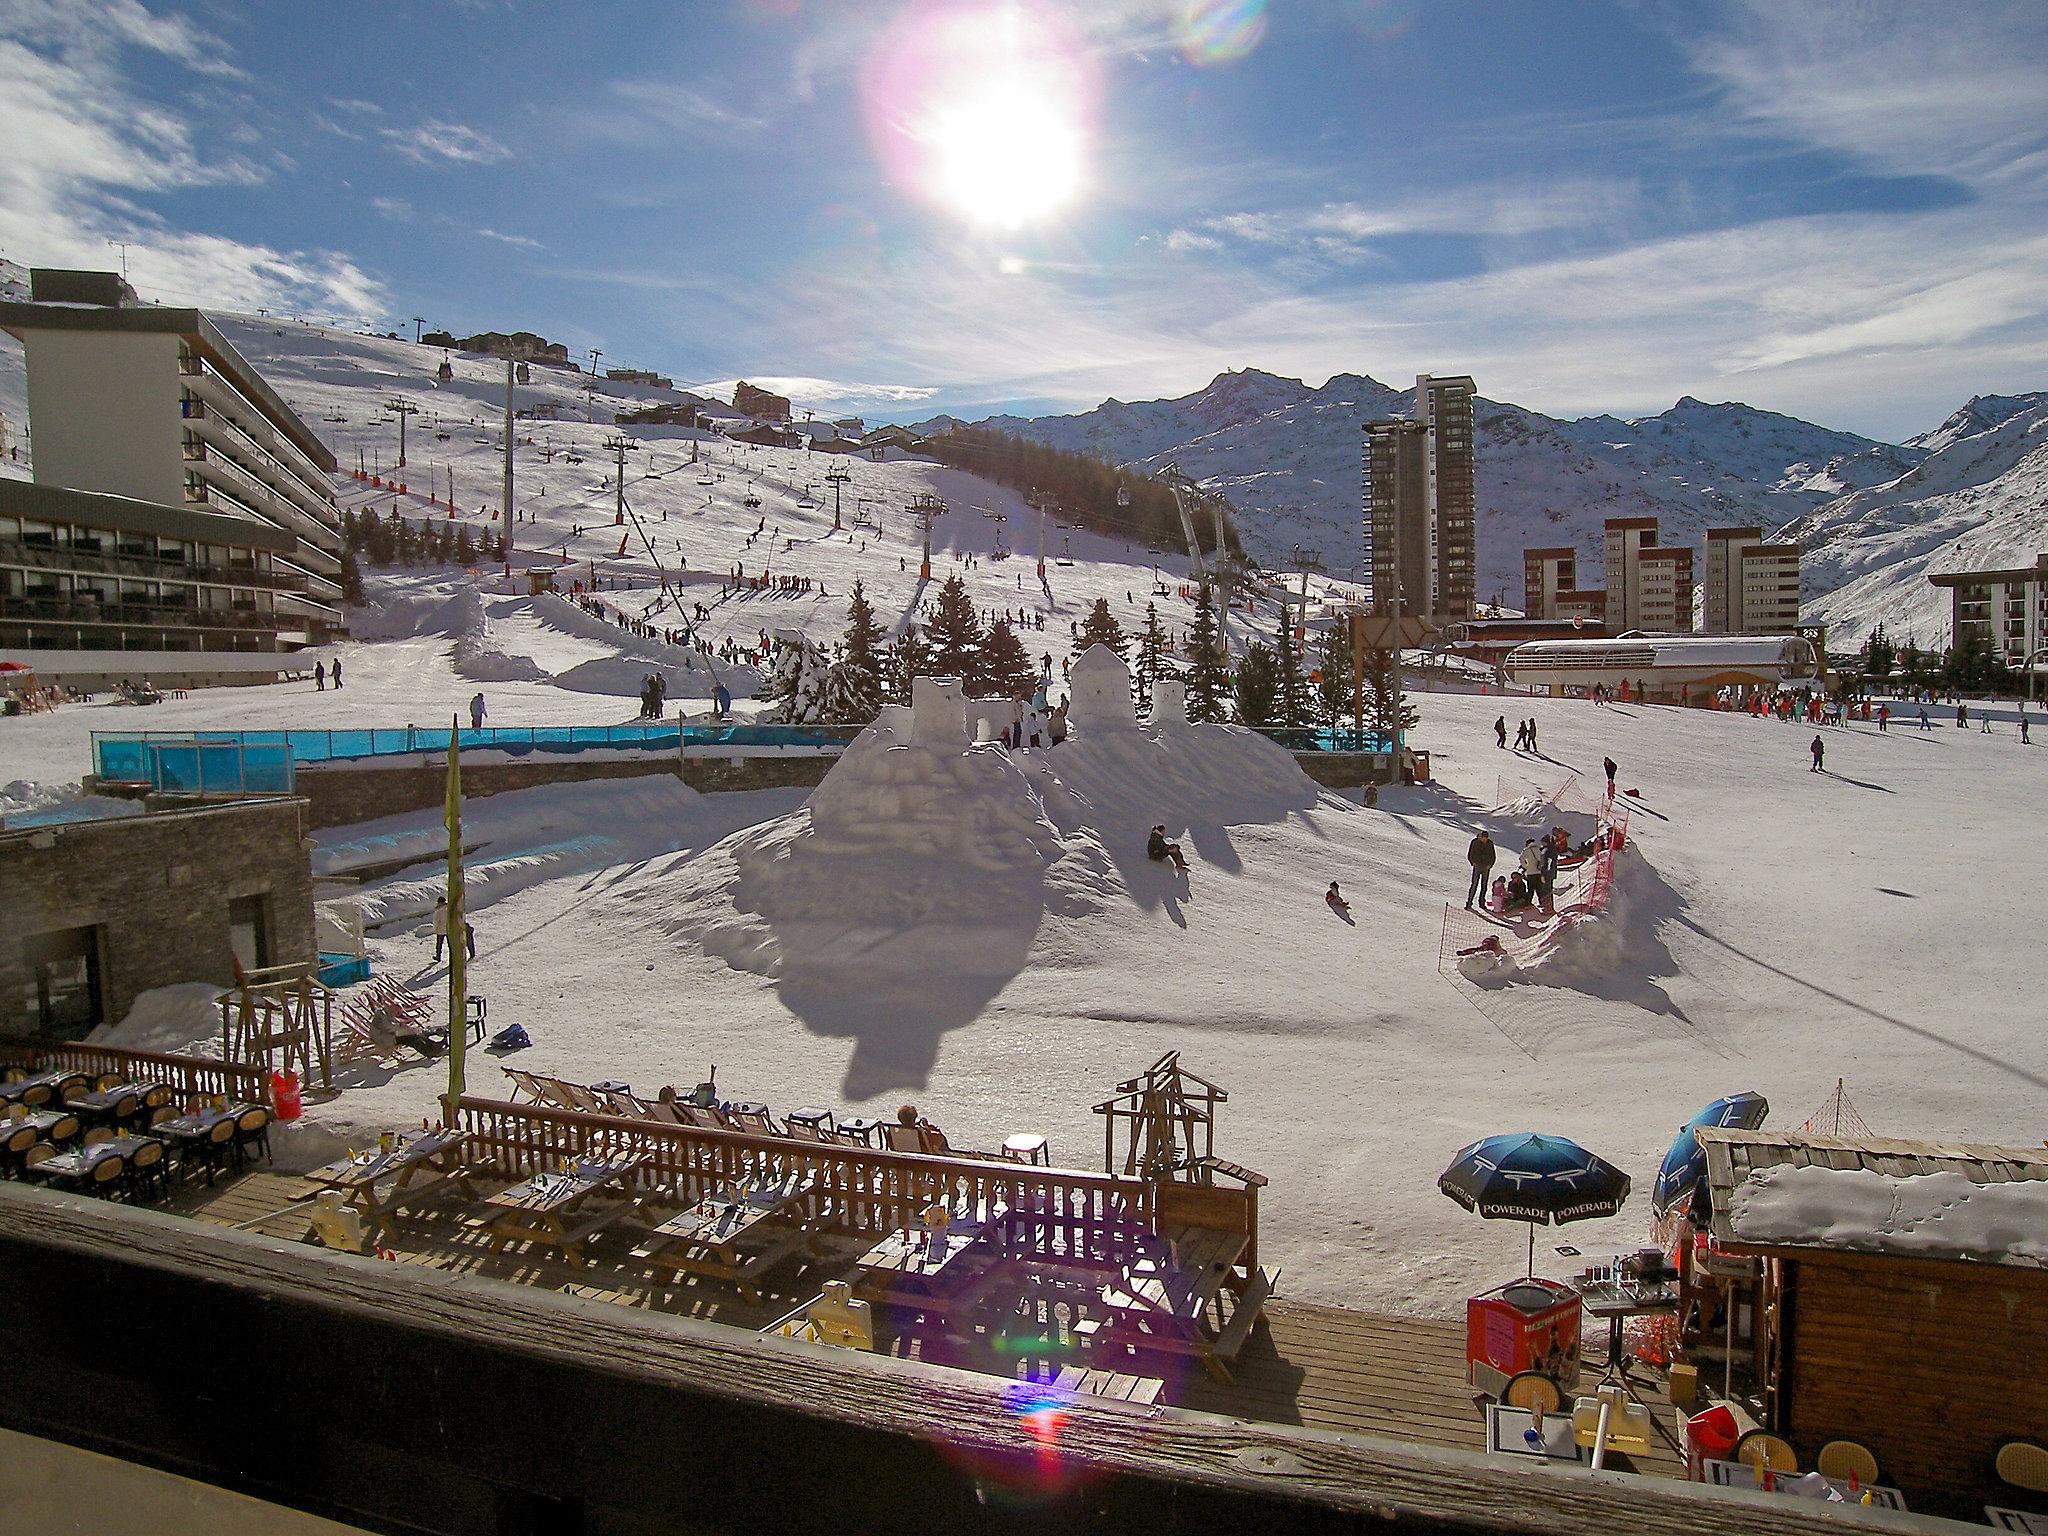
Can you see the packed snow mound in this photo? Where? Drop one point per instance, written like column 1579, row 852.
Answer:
column 28, row 803
column 182, row 1018
column 1617, row 953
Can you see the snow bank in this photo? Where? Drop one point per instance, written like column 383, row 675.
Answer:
column 1610, row 952
column 27, row 803
column 1927, row 1215
column 176, row 1018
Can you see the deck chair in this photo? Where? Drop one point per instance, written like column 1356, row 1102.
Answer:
column 583, row 1100
column 522, row 1082
column 336, row 1225
column 555, row 1093
column 703, row 1119
column 664, row 1113
column 902, row 1138
column 804, row 1130
column 755, row 1122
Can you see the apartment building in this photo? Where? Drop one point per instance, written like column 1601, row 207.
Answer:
column 2007, row 610
column 1648, row 587
column 154, row 416
column 1752, row 588
column 1420, row 503
column 1551, row 590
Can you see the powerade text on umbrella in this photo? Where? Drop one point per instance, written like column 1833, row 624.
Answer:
column 1542, row 1180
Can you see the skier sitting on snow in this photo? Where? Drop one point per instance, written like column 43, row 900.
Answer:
column 1157, row 848
column 1336, row 899
column 1517, row 892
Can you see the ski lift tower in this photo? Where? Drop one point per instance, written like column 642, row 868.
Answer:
column 1185, row 494
column 836, row 477
column 618, row 444
column 401, row 408
column 924, row 506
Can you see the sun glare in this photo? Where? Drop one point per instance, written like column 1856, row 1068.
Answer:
column 984, row 112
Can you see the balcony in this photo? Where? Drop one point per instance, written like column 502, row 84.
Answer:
column 213, row 387
column 132, row 615
column 226, row 434
column 53, row 557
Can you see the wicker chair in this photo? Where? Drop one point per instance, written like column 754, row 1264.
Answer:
column 252, row 1129
column 2022, row 1464
column 1760, row 1448
column 218, row 1148
column 1846, row 1459
column 146, row 1172
column 98, row 1134
column 1534, row 1391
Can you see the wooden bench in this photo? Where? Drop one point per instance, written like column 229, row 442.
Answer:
column 1116, row 1386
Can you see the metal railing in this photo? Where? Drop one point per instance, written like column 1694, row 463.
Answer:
column 71, row 557
column 186, row 1076
column 134, row 615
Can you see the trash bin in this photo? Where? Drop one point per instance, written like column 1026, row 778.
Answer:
column 284, row 1095
column 1421, row 766
column 1709, row 1436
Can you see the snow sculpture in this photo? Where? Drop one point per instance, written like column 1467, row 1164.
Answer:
column 1101, row 692
column 938, row 712
column 1169, row 702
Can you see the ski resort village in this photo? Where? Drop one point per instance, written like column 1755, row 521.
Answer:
column 607, row 931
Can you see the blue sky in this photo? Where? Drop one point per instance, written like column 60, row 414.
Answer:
column 1836, row 210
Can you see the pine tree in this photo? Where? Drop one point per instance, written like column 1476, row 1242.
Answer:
column 1101, row 628
column 861, row 660
column 1152, row 654
column 1879, row 654
column 955, row 633
column 1292, row 704
column 1381, row 714
column 1006, row 671
column 1208, row 665
column 1333, row 682
column 465, row 547
column 1256, row 690
column 351, row 577
column 909, row 657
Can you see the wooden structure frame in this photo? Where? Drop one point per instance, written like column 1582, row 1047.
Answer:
column 463, row 1406
column 280, row 1019
column 1861, row 1344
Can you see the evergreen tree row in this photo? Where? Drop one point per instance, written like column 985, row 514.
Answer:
column 392, row 540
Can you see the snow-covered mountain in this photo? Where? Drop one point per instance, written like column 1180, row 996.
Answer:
column 1978, row 499
column 1287, row 455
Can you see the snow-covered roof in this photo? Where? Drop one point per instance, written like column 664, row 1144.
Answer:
column 1771, row 657
column 1901, row 1199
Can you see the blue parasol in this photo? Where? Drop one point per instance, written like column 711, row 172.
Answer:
column 1542, row 1180
column 1685, row 1165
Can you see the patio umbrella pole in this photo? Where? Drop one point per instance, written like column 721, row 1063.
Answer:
column 1532, row 1250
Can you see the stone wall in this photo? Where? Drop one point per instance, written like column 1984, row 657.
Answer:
column 1348, row 770
column 157, row 887
column 339, row 794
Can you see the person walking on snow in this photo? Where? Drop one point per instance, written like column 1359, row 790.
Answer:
column 1500, row 732
column 1819, row 750
column 1608, row 764
column 336, row 673
column 1480, row 855
column 319, row 677
column 1532, row 736
column 476, row 711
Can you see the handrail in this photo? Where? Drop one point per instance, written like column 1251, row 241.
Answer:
column 69, row 558
column 289, row 481
column 188, row 1075
column 869, row 1190
column 208, row 374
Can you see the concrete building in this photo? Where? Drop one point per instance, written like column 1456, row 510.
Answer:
column 1420, row 504
column 1648, row 587
column 189, row 456
column 100, row 911
column 761, row 404
column 1752, row 588
column 2006, row 610
column 1551, row 590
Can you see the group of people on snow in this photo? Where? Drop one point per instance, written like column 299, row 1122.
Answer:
column 1525, row 734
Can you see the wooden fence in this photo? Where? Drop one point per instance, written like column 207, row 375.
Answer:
column 187, row 1076
column 1086, row 1215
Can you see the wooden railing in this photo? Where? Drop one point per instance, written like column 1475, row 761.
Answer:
column 1083, row 1214
column 187, row 1076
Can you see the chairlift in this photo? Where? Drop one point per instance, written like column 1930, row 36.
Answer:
column 1123, row 495
column 750, row 500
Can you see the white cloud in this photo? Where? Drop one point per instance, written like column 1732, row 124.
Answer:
column 824, row 396
column 86, row 153
column 438, row 142
column 525, row 242
column 649, row 106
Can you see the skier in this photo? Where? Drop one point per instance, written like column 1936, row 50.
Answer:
column 1158, row 849
column 1500, row 732
column 1480, row 855
column 1608, row 764
column 476, row 711
column 1819, row 750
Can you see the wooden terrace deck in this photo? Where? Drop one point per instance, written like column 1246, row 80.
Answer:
column 1321, row 1367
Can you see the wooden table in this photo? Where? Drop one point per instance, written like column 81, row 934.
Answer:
column 734, row 1233
column 418, row 1165
column 1117, row 1386
column 1736, row 1474
column 540, row 1210
column 900, row 1271
column 123, row 1101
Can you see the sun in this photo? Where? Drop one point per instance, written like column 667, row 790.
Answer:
column 1004, row 154
column 984, row 112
